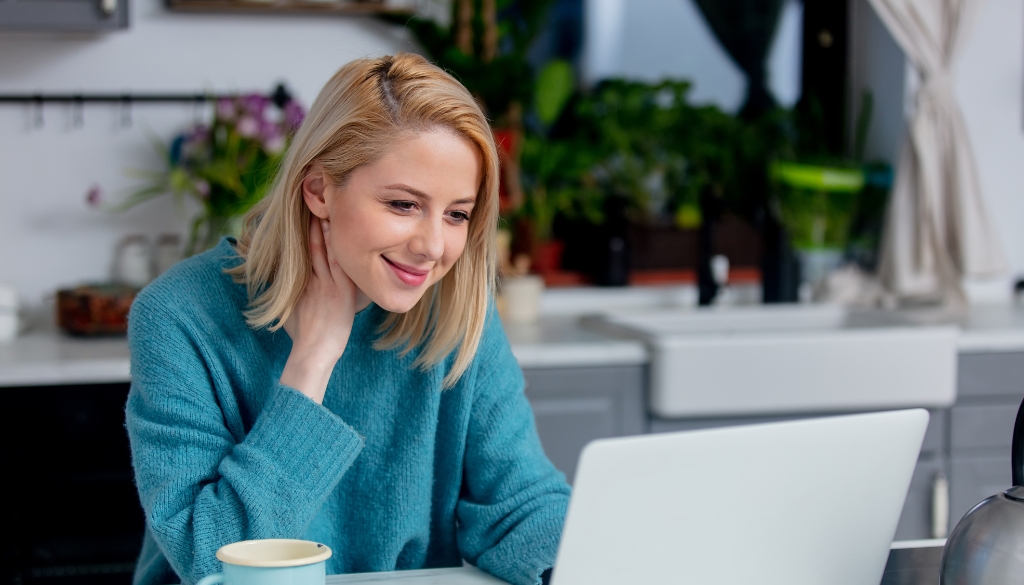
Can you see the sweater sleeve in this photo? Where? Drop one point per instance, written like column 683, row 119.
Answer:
column 202, row 486
column 513, row 500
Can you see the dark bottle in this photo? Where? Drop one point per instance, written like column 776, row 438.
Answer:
column 613, row 246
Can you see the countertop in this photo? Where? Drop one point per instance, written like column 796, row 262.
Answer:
column 558, row 340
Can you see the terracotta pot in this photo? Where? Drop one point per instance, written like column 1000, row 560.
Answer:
column 547, row 256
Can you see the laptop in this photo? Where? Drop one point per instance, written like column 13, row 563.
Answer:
column 809, row 502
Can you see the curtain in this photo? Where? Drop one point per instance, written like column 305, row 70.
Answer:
column 937, row 229
column 746, row 28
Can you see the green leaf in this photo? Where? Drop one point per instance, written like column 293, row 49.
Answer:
column 555, row 85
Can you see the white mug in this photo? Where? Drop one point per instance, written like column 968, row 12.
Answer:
column 273, row 561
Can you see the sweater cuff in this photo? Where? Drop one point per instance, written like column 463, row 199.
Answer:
column 302, row 447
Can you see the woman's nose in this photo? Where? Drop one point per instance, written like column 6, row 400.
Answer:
column 429, row 239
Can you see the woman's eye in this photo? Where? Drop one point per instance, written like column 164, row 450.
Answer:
column 402, row 205
column 459, row 216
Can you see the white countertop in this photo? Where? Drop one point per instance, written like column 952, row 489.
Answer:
column 42, row 358
column 50, row 357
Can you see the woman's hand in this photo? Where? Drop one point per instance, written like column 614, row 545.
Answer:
column 321, row 321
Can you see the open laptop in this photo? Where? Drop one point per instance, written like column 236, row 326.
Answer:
column 810, row 502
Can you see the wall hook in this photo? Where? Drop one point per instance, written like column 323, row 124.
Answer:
column 78, row 112
column 37, row 112
column 126, row 111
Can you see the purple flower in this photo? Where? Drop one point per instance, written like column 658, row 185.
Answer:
column 94, row 196
column 254, row 104
column 202, row 188
column 226, row 109
column 293, row 115
column 199, row 133
column 248, row 127
column 274, row 144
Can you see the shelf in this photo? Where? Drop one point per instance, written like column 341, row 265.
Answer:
column 338, row 7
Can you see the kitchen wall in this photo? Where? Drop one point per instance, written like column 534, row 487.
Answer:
column 49, row 237
column 990, row 86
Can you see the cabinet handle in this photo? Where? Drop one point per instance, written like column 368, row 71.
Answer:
column 108, row 7
column 940, row 506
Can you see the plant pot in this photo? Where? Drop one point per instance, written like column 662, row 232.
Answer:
column 816, row 204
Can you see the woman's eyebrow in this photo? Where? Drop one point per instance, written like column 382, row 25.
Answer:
column 420, row 194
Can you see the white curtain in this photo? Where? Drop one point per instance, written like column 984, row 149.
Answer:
column 937, row 228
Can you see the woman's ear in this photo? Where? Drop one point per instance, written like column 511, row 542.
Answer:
column 314, row 190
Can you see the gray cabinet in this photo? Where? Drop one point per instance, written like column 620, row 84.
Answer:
column 573, row 406
column 990, row 387
column 916, row 520
column 63, row 15
column 968, row 444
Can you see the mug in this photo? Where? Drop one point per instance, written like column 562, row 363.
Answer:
column 274, row 561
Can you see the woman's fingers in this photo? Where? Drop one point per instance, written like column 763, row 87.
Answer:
column 318, row 249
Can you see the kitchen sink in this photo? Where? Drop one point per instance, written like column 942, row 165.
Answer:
column 768, row 359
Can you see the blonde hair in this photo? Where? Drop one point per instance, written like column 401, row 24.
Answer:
column 364, row 108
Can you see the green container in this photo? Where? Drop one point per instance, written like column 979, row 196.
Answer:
column 816, row 203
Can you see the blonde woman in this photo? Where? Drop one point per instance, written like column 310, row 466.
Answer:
column 337, row 373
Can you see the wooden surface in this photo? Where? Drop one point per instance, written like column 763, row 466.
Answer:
column 339, row 7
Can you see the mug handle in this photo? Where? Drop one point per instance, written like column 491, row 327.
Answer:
column 211, row 579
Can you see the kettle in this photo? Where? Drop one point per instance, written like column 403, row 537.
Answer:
column 987, row 545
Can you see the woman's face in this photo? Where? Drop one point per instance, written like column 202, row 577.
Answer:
column 397, row 226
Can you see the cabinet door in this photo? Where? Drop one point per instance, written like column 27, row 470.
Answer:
column 984, row 429
column 990, row 374
column 573, row 406
column 916, row 518
column 973, row 479
column 63, row 15
column 74, row 509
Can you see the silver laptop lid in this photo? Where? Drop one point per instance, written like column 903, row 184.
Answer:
column 812, row 502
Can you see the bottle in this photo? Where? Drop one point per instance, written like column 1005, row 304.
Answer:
column 167, row 253
column 8, row 312
column 133, row 267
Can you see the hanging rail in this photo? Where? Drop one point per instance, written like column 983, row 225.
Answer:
column 280, row 96
column 112, row 98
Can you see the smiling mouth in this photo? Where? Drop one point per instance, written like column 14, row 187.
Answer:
column 407, row 274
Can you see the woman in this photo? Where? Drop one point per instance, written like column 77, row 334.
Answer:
column 338, row 373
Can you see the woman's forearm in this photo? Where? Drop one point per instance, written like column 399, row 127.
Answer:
column 201, row 491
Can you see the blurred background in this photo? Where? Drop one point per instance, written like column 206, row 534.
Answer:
column 714, row 212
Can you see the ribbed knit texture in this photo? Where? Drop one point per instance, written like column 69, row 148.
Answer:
column 391, row 472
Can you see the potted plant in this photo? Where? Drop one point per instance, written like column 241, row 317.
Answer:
column 226, row 165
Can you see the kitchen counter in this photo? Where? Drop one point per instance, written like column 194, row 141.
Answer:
column 557, row 341
column 42, row 358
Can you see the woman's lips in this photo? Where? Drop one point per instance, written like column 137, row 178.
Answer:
column 407, row 274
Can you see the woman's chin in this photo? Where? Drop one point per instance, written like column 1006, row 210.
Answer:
column 397, row 303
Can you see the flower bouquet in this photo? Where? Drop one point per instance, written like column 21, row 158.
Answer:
column 226, row 165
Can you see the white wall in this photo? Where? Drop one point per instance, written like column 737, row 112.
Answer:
column 990, row 87
column 651, row 40
column 49, row 237
column 989, row 75
column 877, row 65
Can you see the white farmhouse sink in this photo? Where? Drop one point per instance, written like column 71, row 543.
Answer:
column 787, row 359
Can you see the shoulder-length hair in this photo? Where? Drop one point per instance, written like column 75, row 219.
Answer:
column 358, row 115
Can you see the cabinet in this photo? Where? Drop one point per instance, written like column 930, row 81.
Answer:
column 968, row 444
column 990, row 387
column 573, row 406
column 63, row 15
column 73, row 513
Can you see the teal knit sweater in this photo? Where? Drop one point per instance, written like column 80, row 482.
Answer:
column 391, row 472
